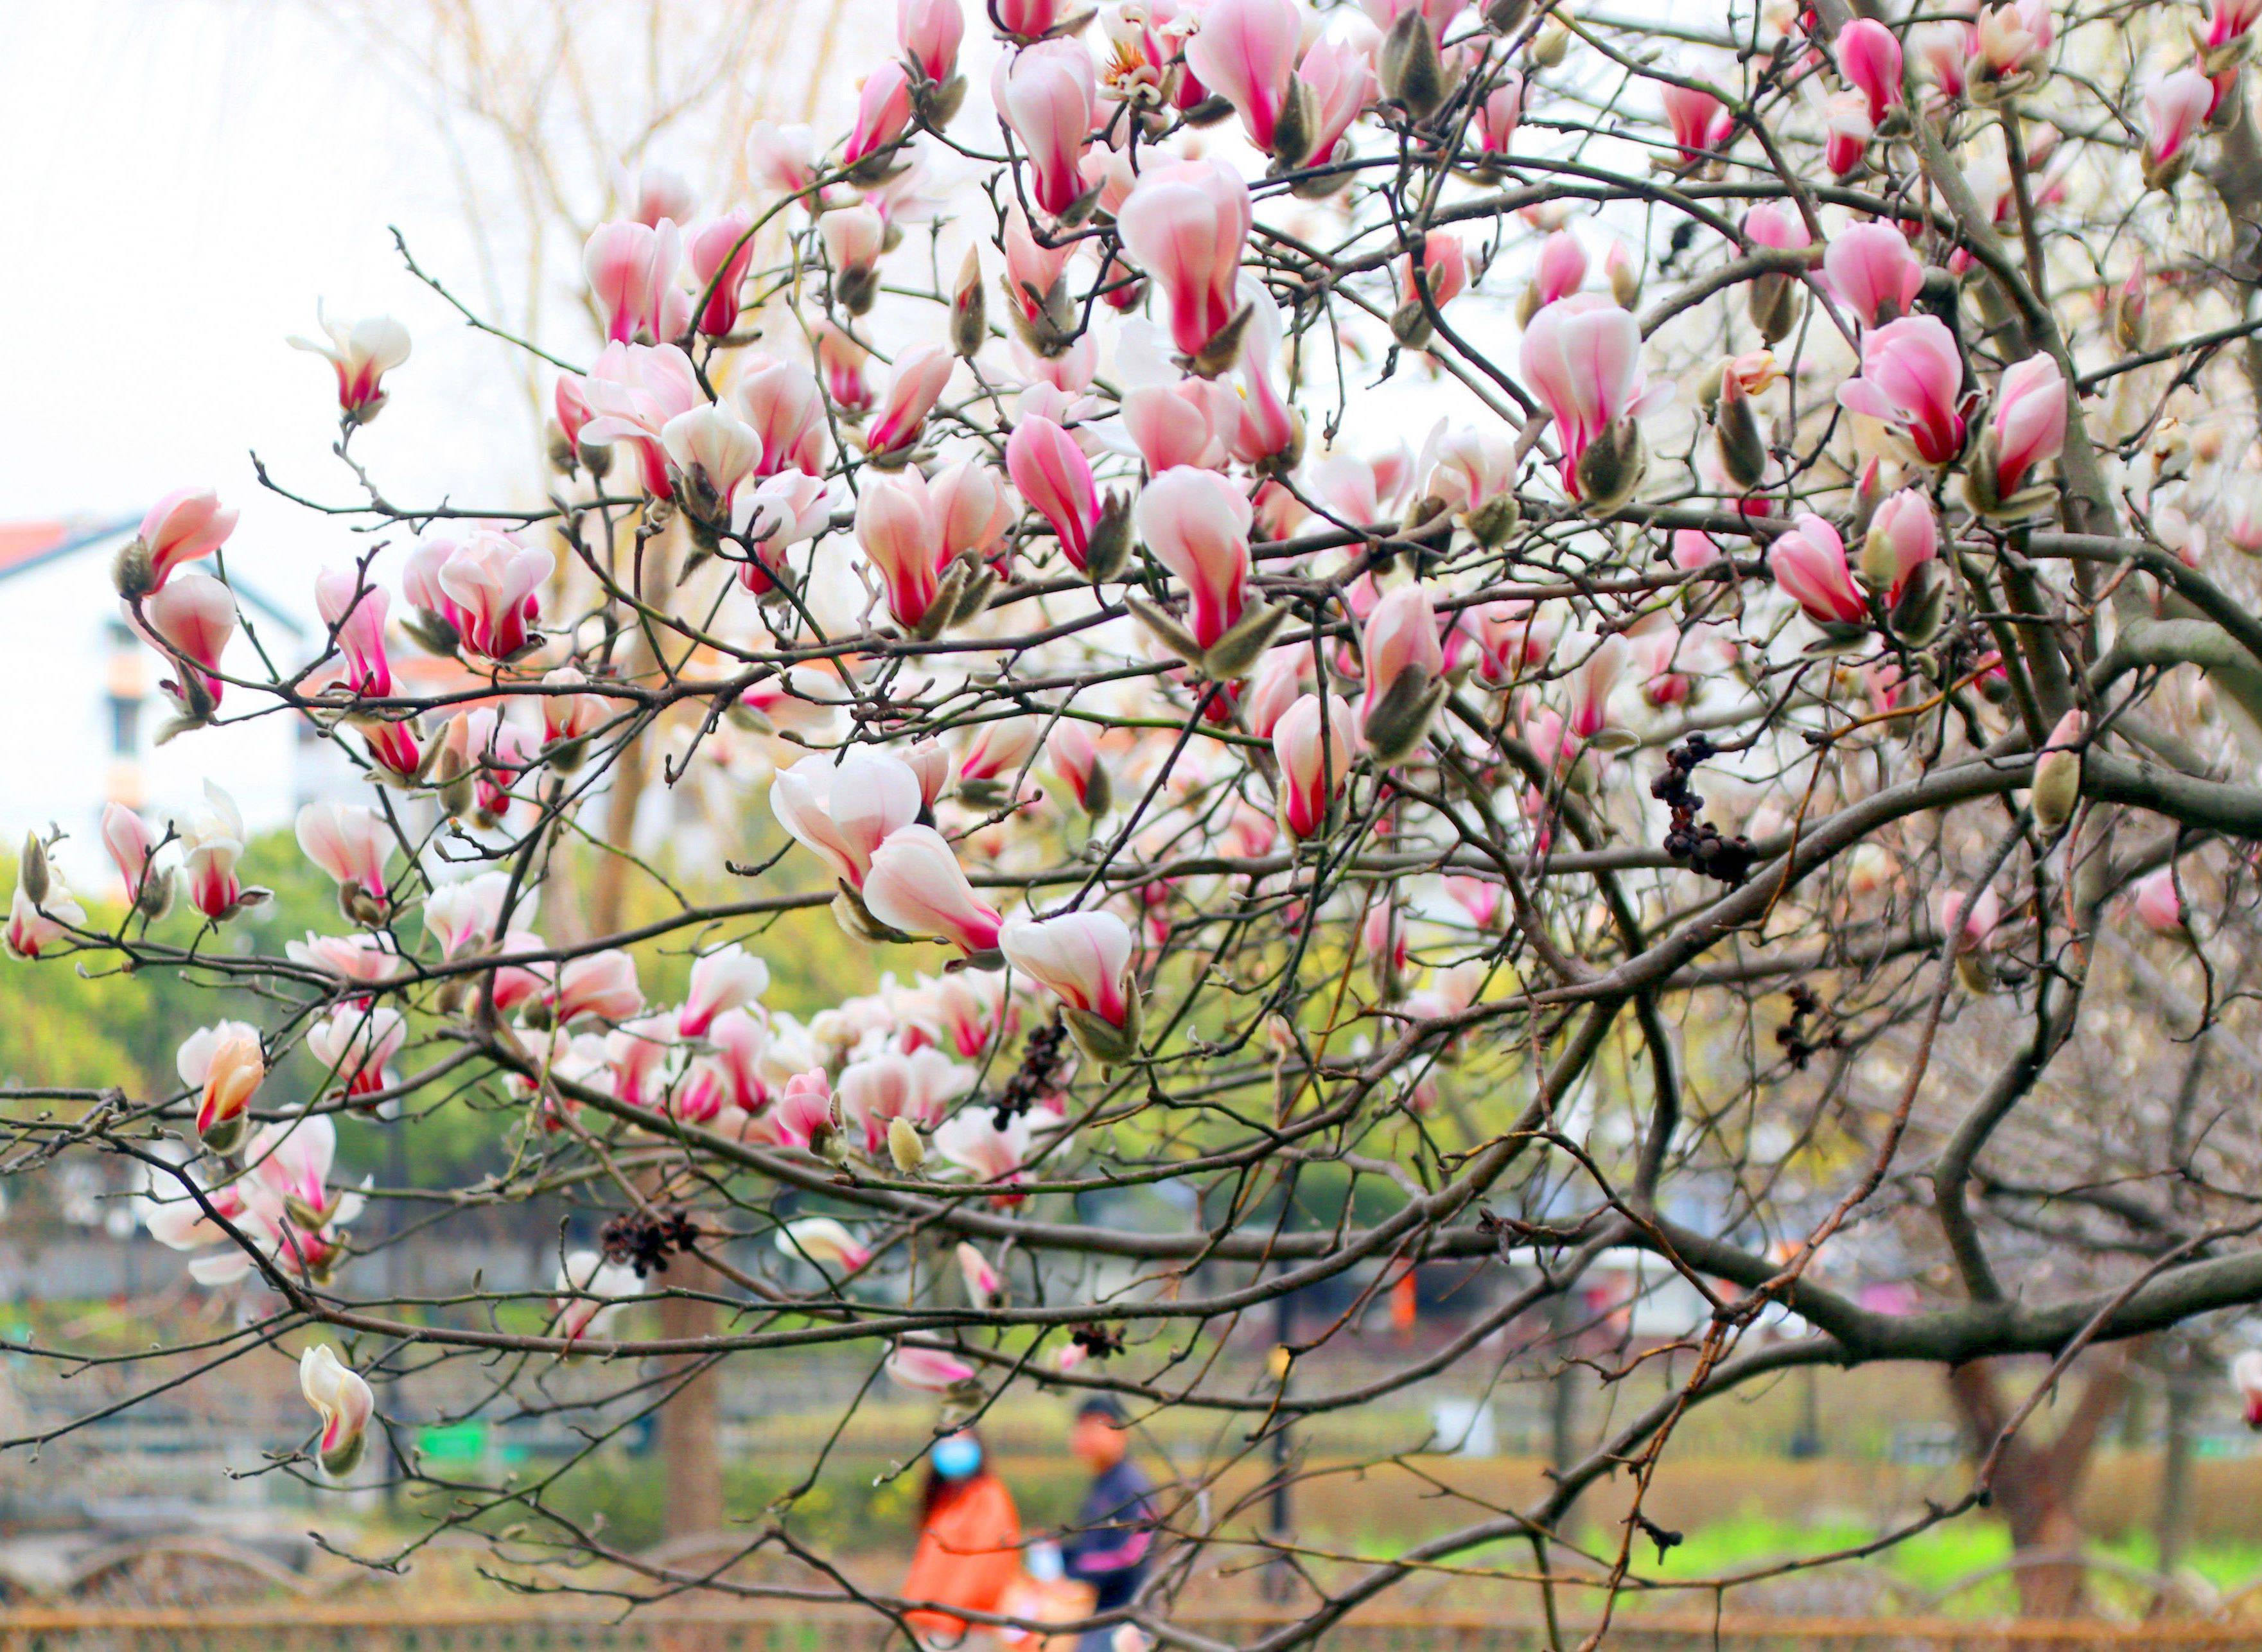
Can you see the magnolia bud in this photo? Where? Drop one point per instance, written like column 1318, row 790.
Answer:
column 1775, row 302
column 1611, row 470
column 1293, row 128
column 1102, row 1040
column 1491, row 524
column 132, row 573
column 970, row 309
column 1551, row 46
column 1737, row 435
column 855, row 287
column 1109, row 546
column 1501, row 17
column 1397, row 722
column 32, row 872
column 2056, row 787
column 559, row 450
column 904, row 1145
column 1412, row 73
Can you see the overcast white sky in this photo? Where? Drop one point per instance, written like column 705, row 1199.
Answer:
column 185, row 178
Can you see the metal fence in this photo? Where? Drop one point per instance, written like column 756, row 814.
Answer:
column 333, row 1628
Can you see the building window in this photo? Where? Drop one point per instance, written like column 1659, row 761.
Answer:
column 124, row 724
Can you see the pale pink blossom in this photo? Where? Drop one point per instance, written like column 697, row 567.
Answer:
column 1000, row 748
column 1186, row 223
column 720, row 251
column 342, row 1398
column 1582, row 357
column 922, row 1369
column 1315, row 743
column 602, row 984
column 1809, row 564
column 1053, row 474
column 1045, row 93
column 728, row 978
column 212, row 843
column 465, row 914
column 361, row 352
column 972, row 1140
column 2158, row 907
column 633, row 392
column 1869, row 57
column 1560, row 269
column 588, row 1295
column 929, row 32
column 356, row 1042
column 921, row 374
column 712, row 449
column 182, row 527
column 1196, row 523
column 783, row 403
column 1912, row 379
column 193, row 619
column 1083, row 958
column 916, row 885
column 1904, row 535
column 845, row 810
column 2028, row 425
column 132, row 849
column 884, row 113
column 1245, row 50
column 631, row 269
column 348, row 841
column 355, row 612
column 900, row 532
column 1701, row 123
column 1874, row 273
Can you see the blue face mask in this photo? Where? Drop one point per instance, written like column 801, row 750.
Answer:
column 957, row 1457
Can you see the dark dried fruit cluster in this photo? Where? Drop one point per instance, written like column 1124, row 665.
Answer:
column 1793, row 1035
column 1037, row 1077
column 646, row 1242
column 1699, row 844
column 1097, row 1341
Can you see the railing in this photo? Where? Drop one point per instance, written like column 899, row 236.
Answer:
column 310, row 1627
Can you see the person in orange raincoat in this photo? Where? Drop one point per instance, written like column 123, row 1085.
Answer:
column 969, row 1541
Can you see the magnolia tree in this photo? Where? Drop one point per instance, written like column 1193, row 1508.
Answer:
column 1577, row 629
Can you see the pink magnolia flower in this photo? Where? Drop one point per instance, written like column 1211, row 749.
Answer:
column 930, row 1370
column 1847, row 131
column 212, row 843
column 225, row 1065
column 2157, row 905
column 1970, row 924
column 1077, row 761
column 35, row 926
column 487, row 587
column 355, row 612
column 1912, row 379
column 631, row 269
column 972, row 1140
column 1055, row 477
column 1560, row 269
column 921, row 374
column 2027, row 427
column 984, row 1286
column 822, row 1240
column 999, row 749
column 784, row 158
column 2246, row 1383
column 1315, row 743
column 843, row 363
column 2010, row 43
column 602, row 984
column 854, row 238
column 1500, row 113
column 1872, row 271
column 192, row 618
column 1083, row 958
column 900, row 531
column 915, row 884
column 1444, row 270
column 342, row 1398
column 182, row 527
column 1701, row 122
column 1338, row 72
column 1870, row 58
column 1044, row 95
column 1809, row 564
column 929, row 32
column 1904, row 535
column 783, row 403
column 633, row 392
column 1245, row 50
column 348, row 841
column 2176, row 108
column 132, row 849
column 1196, row 523
column 803, row 1113
column 1186, row 223
column 844, row 811
column 656, row 193
column 884, row 112
column 361, row 352
column 356, row 1042
column 711, row 449
column 465, row 914
column 1582, row 357
column 1405, row 662
column 726, row 979
column 721, row 250
column 588, row 1293
column 1602, row 660
column 974, row 509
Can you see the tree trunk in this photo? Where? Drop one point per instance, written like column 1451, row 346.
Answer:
column 2037, row 1485
column 2175, row 1518
column 690, row 1432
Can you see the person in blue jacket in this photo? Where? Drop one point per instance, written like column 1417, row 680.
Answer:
column 1115, row 1534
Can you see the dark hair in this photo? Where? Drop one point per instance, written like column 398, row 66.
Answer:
column 931, row 1492
column 1105, row 1406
